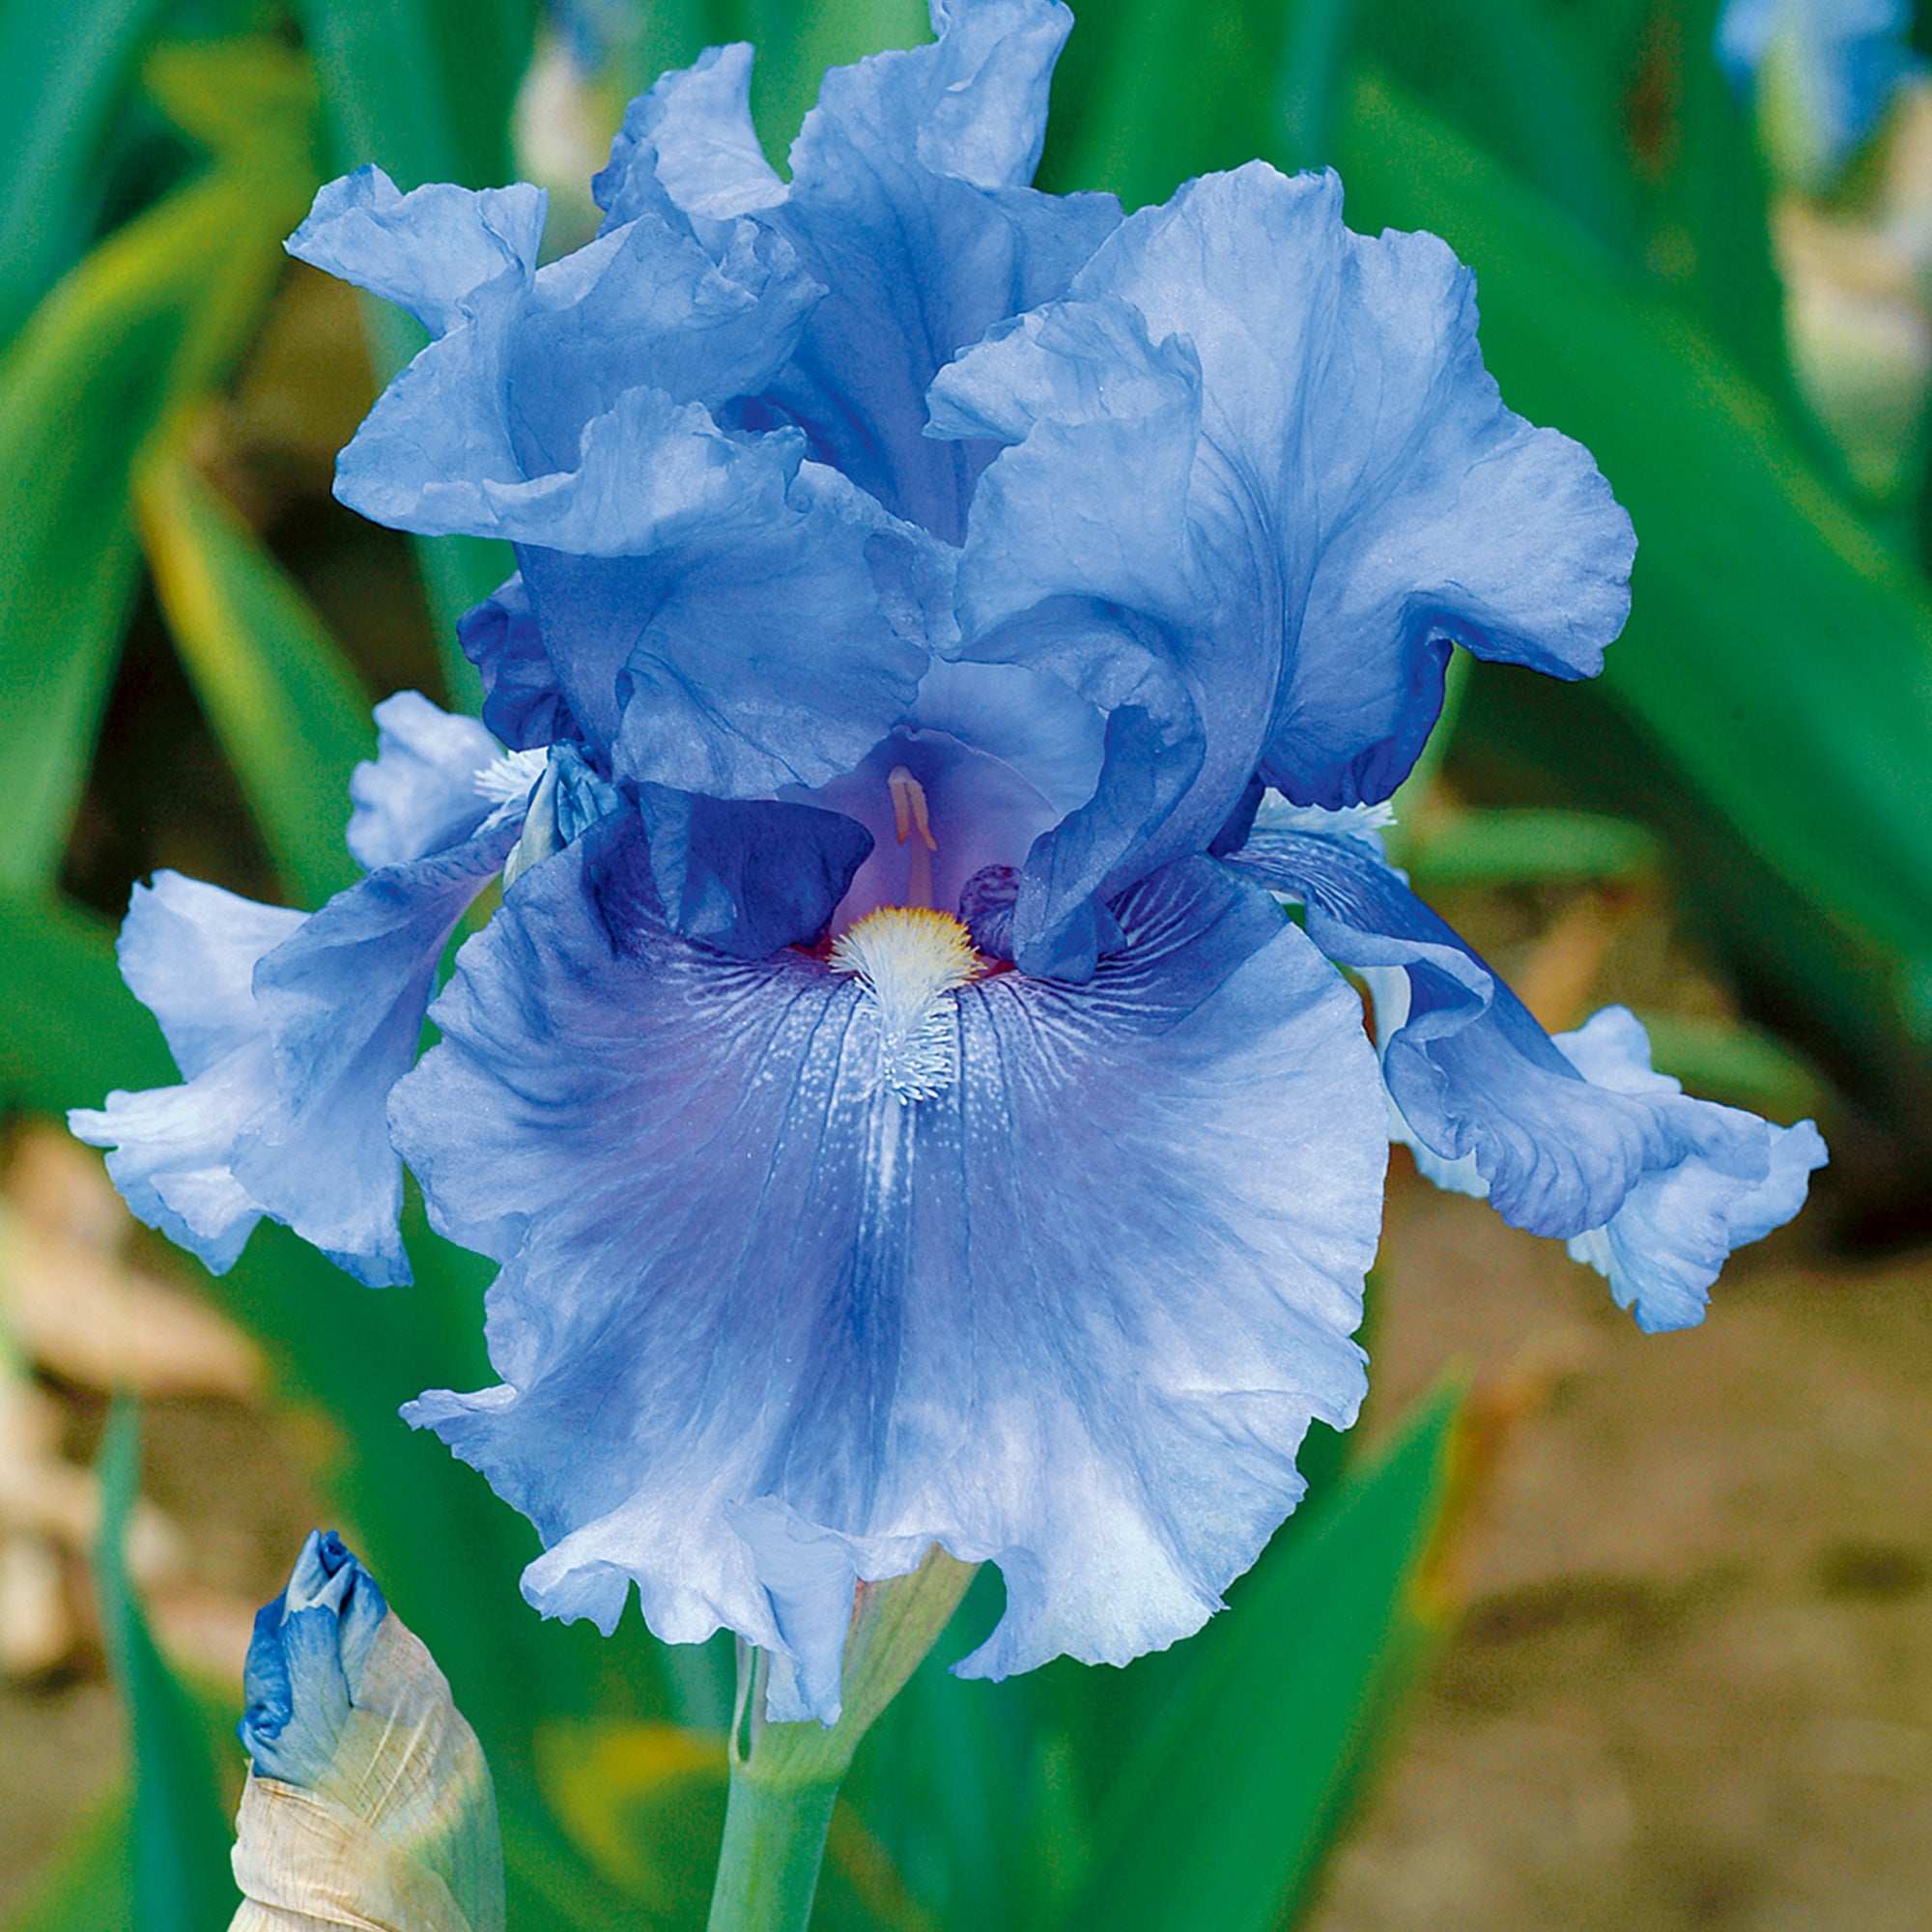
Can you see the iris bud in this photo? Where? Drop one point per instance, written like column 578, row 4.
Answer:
column 368, row 1801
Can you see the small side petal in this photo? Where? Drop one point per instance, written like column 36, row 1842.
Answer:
column 1666, row 1246
column 342, row 1002
column 1572, row 1138
column 765, row 1325
column 173, row 1152
column 188, row 951
column 419, row 795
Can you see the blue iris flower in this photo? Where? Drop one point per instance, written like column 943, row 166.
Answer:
column 1832, row 68
column 949, row 620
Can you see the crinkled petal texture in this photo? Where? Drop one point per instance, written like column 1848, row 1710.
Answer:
column 188, row 952
column 1575, row 1138
column 766, row 1328
column 745, row 600
column 289, row 1032
column 1258, row 483
column 909, row 204
column 343, row 1000
column 1664, row 1246
column 420, row 794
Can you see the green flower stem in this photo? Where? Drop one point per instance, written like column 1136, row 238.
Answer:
column 786, row 1777
column 768, row 1863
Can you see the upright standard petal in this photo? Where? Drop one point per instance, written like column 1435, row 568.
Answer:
column 806, row 1271
column 908, row 203
column 1327, row 494
column 1575, row 1137
column 368, row 1801
column 435, row 252
column 737, row 598
column 763, row 637
column 687, row 149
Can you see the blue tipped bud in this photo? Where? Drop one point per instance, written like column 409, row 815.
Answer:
column 368, row 1799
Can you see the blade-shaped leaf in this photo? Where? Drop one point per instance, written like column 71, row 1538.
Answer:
column 1529, row 847
column 288, row 709
column 181, row 1838
column 152, row 315
column 1155, row 92
column 1222, row 1815
column 61, row 70
column 69, row 1028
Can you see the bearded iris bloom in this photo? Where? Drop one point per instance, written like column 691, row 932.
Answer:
column 950, row 621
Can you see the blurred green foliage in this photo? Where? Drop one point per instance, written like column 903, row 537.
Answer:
column 167, row 584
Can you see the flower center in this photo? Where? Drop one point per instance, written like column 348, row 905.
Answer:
column 911, row 959
column 510, row 775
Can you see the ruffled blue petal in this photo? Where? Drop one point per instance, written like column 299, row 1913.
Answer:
column 925, row 236
column 438, row 252
column 1664, row 1246
column 290, row 1032
column 739, row 598
column 1074, row 575
column 420, row 794
column 1565, row 1137
column 909, row 200
column 188, row 951
column 908, row 203
column 1841, row 61
column 687, row 149
column 765, row 640
column 343, row 1001
column 502, row 426
column 764, row 1326
column 1326, row 494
